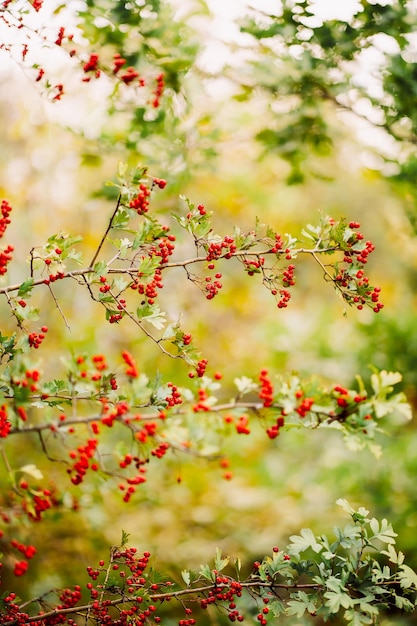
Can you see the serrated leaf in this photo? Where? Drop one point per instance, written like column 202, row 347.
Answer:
column 186, row 576
column 25, row 288
column 206, row 572
column 152, row 314
column 382, row 531
column 303, row 542
column 219, row 562
column 299, row 604
column 245, row 384
column 100, row 268
column 336, row 599
column 32, row 471
column 122, row 168
column 403, row 604
column 276, row 607
column 393, row 556
column 357, row 618
column 125, row 538
column 407, row 577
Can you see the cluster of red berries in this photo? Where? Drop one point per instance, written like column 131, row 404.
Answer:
column 149, row 290
column 288, row 276
column 140, row 203
column 201, row 405
column 344, row 398
column 273, row 431
column 5, row 219
column 165, row 247
column 353, row 277
column 284, row 295
column 200, row 212
column 267, row 390
column 129, row 75
column 186, row 339
column 225, row 249
column 69, row 598
column 305, row 405
column 114, row 318
column 41, row 501
column 242, row 425
column 148, row 430
column 20, row 568
column 130, row 568
column 36, row 339
column 278, row 245
column 160, row 450
column 53, row 277
column 5, row 258
column 82, row 457
column 27, row 551
column 5, row 424
column 175, row 397
column 131, row 370
column 59, row 91
column 99, row 363
column 110, row 416
column 61, row 36
column 200, row 369
column 118, row 62
column 105, row 287
column 160, row 85
column 253, row 266
column 131, row 486
column 160, row 182
column 92, row 65
column 226, row 590
column 212, row 287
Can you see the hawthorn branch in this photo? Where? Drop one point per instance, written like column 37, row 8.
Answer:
column 254, row 407
column 86, row 271
column 160, row 597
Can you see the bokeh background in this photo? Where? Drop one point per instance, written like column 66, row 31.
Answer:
column 222, row 97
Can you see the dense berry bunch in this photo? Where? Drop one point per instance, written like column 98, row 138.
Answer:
column 5, row 217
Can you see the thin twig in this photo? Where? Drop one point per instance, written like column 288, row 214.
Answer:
column 103, row 239
column 59, row 307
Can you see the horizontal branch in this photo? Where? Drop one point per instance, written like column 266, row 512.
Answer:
column 160, row 597
column 134, row 270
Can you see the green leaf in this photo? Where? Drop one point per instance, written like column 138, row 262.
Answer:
column 125, row 538
column 304, row 541
column 336, row 599
column 403, row 604
column 32, row 471
column 407, row 577
column 219, row 562
column 152, row 314
column 357, row 618
column 207, row 573
column 382, row 531
column 122, row 169
column 100, row 268
column 186, row 576
column 393, row 556
column 300, row 603
column 25, row 288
